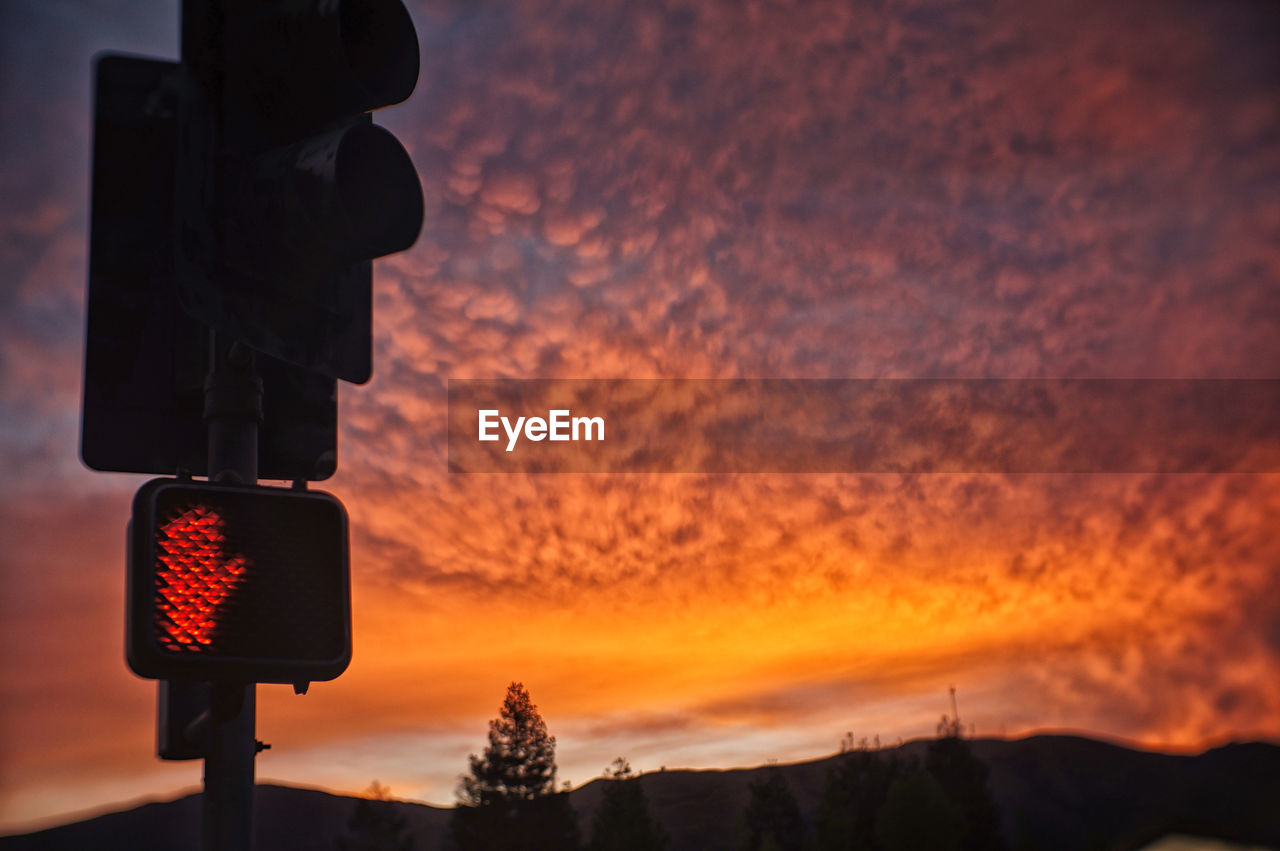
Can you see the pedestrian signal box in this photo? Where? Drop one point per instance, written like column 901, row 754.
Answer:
column 237, row 583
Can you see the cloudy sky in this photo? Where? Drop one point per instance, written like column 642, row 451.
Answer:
column 912, row 189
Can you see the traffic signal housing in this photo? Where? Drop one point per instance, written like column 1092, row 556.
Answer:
column 237, row 583
column 286, row 189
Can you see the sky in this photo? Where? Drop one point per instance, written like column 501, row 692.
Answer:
column 913, row 189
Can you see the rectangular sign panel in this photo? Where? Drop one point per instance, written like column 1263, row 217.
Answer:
column 145, row 359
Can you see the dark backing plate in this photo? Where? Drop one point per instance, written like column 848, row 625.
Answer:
column 145, row 359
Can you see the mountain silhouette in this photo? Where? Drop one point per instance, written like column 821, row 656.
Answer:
column 1056, row 793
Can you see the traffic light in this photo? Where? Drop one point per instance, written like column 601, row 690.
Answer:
column 286, row 189
column 237, row 583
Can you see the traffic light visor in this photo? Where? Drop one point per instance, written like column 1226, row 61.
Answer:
column 381, row 49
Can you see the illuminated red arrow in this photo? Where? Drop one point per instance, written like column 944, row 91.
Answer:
column 194, row 578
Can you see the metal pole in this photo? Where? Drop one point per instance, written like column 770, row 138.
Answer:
column 233, row 409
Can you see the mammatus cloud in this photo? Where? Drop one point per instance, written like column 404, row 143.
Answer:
column 820, row 191
column 838, row 192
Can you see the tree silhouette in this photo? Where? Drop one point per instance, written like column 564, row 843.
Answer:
column 772, row 816
column 918, row 816
column 520, row 761
column 508, row 801
column 875, row 801
column 856, row 789
column 623, row 822
column 963, row 777
column 374, row 824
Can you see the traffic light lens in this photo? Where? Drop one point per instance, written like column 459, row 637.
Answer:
column 381, row 49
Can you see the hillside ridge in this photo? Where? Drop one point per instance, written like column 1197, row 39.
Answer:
column 1057, row 792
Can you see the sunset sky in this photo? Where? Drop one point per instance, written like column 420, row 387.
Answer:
column 719, row 189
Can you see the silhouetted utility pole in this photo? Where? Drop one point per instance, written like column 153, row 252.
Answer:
column 233, row 409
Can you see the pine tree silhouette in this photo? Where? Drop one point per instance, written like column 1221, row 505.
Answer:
column 508, row 801
column 772, row 817
column 623, row 822
column 964, row 779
